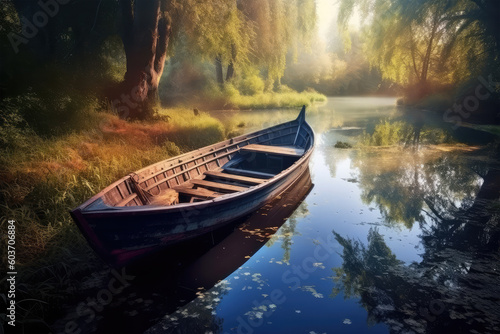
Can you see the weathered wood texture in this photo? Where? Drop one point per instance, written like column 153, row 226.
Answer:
column 220, row 187
column 290, row 151
column 235, row 178
column 119, row 226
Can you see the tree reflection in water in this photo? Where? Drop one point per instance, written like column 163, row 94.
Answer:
column 456, row 286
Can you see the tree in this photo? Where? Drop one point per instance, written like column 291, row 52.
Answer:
column 423, row 44
column 216, row 30
column 280, row 27
column 145, row 32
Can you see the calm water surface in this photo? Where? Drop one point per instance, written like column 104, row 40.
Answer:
column 383, row 240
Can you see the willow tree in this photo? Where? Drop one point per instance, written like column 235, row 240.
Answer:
column 216, row 30
column 418, row 44
column 280, row 27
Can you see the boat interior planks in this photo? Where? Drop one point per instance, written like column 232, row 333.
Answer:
column 292, row 151
column 235, row 178
column 218, row 186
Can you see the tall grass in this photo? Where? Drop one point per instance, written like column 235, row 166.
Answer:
column 276, row 100
column 42, row 178
column 190, row 129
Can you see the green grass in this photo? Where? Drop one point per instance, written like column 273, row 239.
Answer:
column 42, row 178
column 191, row 131
column 276, row 100
column 230, row 97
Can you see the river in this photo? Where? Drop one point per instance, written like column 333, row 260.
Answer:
column 372, row 240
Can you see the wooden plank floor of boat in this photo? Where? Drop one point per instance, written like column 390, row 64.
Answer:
column 219, row 187
column 235, row 178
column 291, row 151
column 205, row 190
column 200, row 193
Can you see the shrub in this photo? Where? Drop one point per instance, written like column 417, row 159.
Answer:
column 252, row 85
column 341, row 144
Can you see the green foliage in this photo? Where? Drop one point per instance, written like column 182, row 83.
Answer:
column 388, row 133
column 13, row 127
column 252, row 85
column 424, row 45
column 189, row 131
column 280, row 27
column 277, row 100
column 392, row 133
column 341, row 144
column 214, row 28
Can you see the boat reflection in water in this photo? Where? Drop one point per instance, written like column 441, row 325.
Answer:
column 170, row 279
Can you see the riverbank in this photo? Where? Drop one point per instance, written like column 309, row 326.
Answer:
column 230, row 98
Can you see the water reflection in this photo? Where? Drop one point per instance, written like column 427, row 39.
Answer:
column 454, row 288
column 400, row 182
column 287, row 231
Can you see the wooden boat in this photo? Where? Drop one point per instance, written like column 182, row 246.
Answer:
column 194, row 193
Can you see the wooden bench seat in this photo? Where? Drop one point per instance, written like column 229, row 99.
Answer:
column 198, row 193
column 290, row 151
column 235, row 178
column 249, row 173
column 219, row 187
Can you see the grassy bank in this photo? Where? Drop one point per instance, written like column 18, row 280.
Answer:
column 43, row 177
column 233, row 97
column 276, row 100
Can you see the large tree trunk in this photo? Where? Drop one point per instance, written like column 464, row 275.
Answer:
column 218, row 71
column 427, row 58
column 145, row 34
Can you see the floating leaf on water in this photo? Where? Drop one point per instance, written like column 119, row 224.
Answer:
column 318, row 265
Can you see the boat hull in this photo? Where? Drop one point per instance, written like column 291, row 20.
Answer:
column 120, row 237
column 128, row 230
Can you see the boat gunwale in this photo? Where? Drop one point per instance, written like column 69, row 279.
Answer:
column 146, row 209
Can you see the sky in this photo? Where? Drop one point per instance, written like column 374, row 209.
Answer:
column 327, row 11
